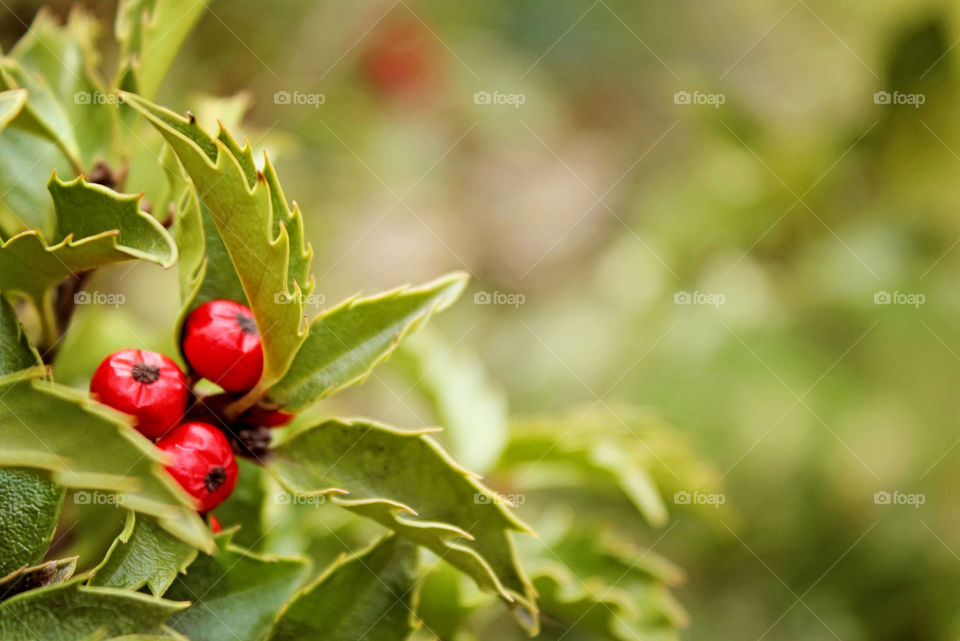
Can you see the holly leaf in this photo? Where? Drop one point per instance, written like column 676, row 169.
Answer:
column 206, row 272
column 16, row 352
column 261, row 234
column 95, row 226
column 69, row 611
column 345, row 343
column 369, row 595
column 86, row 445
column 612, row 458
column 37, row 576
column 143, row 554
column 236, row 594
column 157, row 28
column 406, row 482
column 66, row 57
column 29, row 508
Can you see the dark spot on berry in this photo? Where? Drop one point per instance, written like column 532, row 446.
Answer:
column 216, row 477
column 143, row 373
column 247, row 324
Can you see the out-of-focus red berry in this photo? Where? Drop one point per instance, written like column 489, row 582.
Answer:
column 401, row 58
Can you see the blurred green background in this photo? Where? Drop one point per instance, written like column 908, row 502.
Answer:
column 600, row 200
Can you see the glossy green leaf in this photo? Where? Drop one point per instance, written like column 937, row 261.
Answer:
column 151, row 32
column 406, row 482
column 348, row 341
column 95, row 226
column 261, row 234
column 29, row 507
column 471, row 407
column 86, row 445
column 143, row 554
column 68, row 611
column 235, row 594
column 370, row 596
column 66, row 56
column 37, row 576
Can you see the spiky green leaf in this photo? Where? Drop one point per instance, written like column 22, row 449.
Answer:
column 95, row 226
column 143, row 554
column 349, row 340
column 370, row 596
column 261, row 234
column 235, row 594
column 406, row 482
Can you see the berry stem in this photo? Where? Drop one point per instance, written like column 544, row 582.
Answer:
column 245, row 402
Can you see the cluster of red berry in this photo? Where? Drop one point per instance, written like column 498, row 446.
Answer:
column 221, row 344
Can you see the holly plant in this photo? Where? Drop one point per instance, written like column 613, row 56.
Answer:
column 200, row 493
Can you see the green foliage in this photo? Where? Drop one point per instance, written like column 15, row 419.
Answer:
column 11, row 102
column 143, row 554
column 405, row 482
column 67, row 58
column 29, row 506
column 245, row 206
column 86, row 445
column 370, row 595
column 324, row 488
column 43, row 114
column 69, row 611
column 471, row 407
column 348, row 341
column 16, row 352
column 236, row 593
column 95, row 226
column 150, row 33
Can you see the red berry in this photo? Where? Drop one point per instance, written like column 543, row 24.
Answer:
column 201, row 460
column 215, row 526
column 222, row 344
column 269, row 418
column 146, row 385
column 400, row 59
